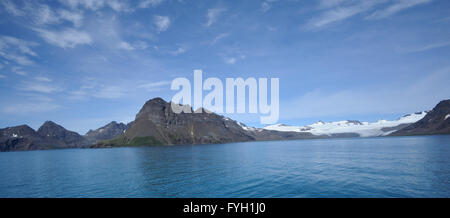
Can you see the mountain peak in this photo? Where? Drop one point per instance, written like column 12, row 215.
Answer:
column 444, row 103
column 109, row 131
column 50, row 126
column 157, row 100
column 434, row 122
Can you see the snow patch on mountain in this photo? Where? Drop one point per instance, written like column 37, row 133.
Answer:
column 364, row 129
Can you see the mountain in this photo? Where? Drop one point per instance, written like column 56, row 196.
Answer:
column 352, row 128
column 157, row 124
column 109, row 131
column 49, row 136
column 20, row 138
column 437, row 121
column 58, row 136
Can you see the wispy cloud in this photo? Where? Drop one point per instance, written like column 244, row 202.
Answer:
column 213, row 15
column 233, row 60
column 42, row 79
column 92, row 88
column 116, row 5
column 137, row 45
column 179, row 51
column 17, row 50
column 75, row 17
column 11, row 8
column 340, row 13
column 43, row 15
column 18, row 71
column 68, row 38
column 148, row 3
column 425, row 47
column 265, row 6
column 162, row 22
column 33, row 86
column 396, row 7
column 154, row 86
column 2, row 76
column 219, row 37
column 30, row 103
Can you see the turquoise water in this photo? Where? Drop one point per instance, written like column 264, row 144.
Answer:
column 357, row 167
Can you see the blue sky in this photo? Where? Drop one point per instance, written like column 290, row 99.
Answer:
column 84, row 63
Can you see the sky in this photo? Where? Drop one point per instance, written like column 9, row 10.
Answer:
column 85, row 63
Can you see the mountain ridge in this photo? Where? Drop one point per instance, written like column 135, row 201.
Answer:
column 156, row 124
column 435, row 122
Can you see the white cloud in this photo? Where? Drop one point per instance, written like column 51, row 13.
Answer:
column 148, row 3
column 219, row 37
column 91, row 88
column 17, row 50
column 126, row 46
column 141, row 45
column 339, row 10
column 94, row 5
column 398, row 6
column 68, row 38
column 11, row 8
column 44, row 15
column 19, row 71
column 234, row 59
column 230, row 60
column 265, row 6
column 213, row 14
column 19, row 59
column 179, row 51
column 426, row 47
column 154, row 86
column 38, row 87
column 42, row 79
column 340, row 13
column 2, row 76
column 162, row 22
column 109, row 92
column 75, row 18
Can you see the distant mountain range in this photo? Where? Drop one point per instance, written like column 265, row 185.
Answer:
column 156, row 124
column 360, row 129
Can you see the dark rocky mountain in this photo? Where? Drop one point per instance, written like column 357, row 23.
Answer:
column 49, row 136
column 20, row 138
column 437, row 121
column 58, row 136
column 157, row 124
column 110, row 131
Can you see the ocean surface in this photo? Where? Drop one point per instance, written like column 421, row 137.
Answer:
column 356, row 167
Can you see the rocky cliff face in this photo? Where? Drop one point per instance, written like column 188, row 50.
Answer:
column 110, row 131
column 157, row 124
column 437, row 121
